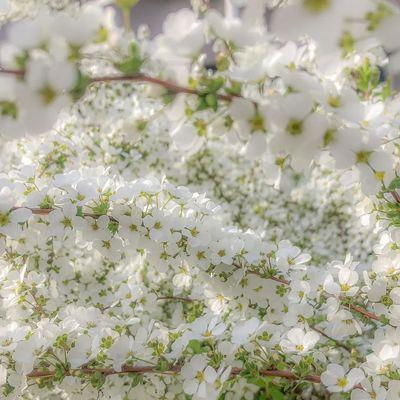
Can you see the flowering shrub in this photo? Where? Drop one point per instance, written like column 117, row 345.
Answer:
column 172, row 230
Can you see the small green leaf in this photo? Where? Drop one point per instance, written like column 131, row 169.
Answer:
column 132, row 64
column 395, row 184
column 212, row 101
column 8, row 108
column 195, row 345
column 275, row 393
column 97, row 380
column 101, row 208
column 79, row 89
column 162, row 365
column 136, row 379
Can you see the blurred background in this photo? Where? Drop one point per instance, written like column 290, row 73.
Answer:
column 153, row 12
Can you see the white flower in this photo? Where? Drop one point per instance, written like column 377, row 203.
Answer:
column 183, row 35
column 342, row 324
column 109, row 246
column 299, row 341
column 242, row 331
column 4, row 6
column 345, row 103
column 336, row 379
column 374, row 391
column 298, row 131
column 200, row 380
column 186, row 138
column 393, row 392
column 351, row 147
column 346, row 286
column 290, row 257
column 207, row 327
column 183, row 279
column 159, row 226
column 242, row 32
column 299, row 291
column 81, row 352
column 63, row 221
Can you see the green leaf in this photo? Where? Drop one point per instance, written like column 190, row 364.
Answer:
column 59, row 373
column 212, row 101
column 8, row 108
column 97, row 380
column 79, row 89
column 275, row 393
column 132, row 64
column 215, row 84
column 235, row 89
column 384, row 320
column 136, row 379
column 195, row 345
column 101, row 208
column 395, row 184
column 256, row 380
column 162, row 365
column 113, row 227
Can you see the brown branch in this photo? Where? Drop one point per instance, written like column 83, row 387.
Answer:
column 364, row 312
column 46, row 211
column 140, row 78
column 354, row 307
column 186, row 299
column 337, row 342
column 38, row 306
column 173, row 87
column 395, row 195
column 174, row 369
column 19, row 73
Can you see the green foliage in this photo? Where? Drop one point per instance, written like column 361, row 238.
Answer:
column 374, row 18
column 131, row 65
column 162, row 365
column 367, row 78
column 97, row 380
column 137, row 379
column 8, row 109
column 101, row 207
column 80, row 87
column 196, row 346
column 126, row 4
column 208, row 88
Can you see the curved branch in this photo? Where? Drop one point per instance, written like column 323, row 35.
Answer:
column 359, row 309
column 140, row 78
column 174, row 369
column 173, row 87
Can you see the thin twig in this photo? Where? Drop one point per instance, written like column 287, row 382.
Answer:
column 174, row 369
column 140, row 78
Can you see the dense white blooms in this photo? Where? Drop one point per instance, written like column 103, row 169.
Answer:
column 174, row 231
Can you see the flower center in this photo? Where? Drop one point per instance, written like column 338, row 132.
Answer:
column 362, row 157
column 295, row 127
column 342, row 382
column 4, row 219
column 334, row 101
column 299, row 347
column 345, row 287
column 200, row 376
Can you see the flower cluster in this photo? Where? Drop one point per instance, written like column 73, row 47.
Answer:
column 170, row 230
